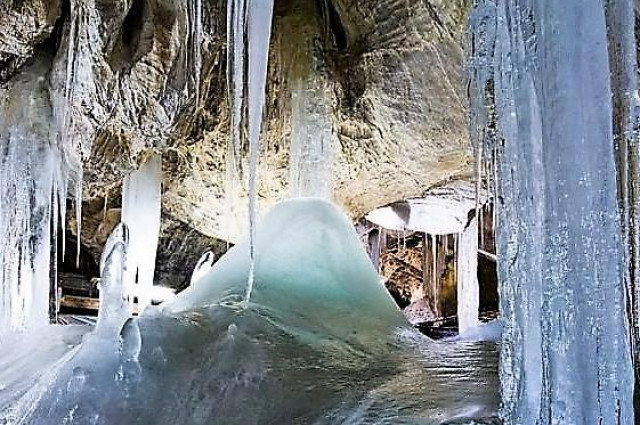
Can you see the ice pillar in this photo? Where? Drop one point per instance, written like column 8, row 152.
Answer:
column 141, row 213
column 565, row 354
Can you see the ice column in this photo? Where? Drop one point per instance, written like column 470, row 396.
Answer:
column 141, row 213
column 468, row 288
column 311, row 138
column 311, row 151
column 565, row 356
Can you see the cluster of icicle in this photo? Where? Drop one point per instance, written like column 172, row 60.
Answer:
column 33, row 182
column 549, row 79
column 248, row 36
column 39, row 159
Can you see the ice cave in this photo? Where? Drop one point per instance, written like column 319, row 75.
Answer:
column 319, row 212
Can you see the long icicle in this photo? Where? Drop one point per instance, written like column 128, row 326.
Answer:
column 67, row 118
column 197, row 48
column 258, row 33
column 236, row 10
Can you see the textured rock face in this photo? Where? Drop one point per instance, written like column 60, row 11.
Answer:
column 25, row 25
column 402, row 119
column 391, row 72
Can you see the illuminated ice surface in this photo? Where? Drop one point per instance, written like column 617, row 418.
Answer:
column 320, row 343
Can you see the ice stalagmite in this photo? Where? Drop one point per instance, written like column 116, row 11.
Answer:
column 203, row 266
column 468, row 288
column 259, row 14
column 565, row 355
column 32, row 192
column 141, row 213
column 114, row 309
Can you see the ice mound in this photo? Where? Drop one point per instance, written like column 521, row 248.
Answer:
column 320, row 343
column 309, row 264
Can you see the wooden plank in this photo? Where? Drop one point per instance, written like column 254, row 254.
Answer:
column 76, row 282
column 85, row 303
column 488, row 255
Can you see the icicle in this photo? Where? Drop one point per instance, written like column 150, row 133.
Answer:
column 197, row 48
column 54, row 248
column 62, row 204
column 467, row 284
column 66, row 130
column 456, row 251
column 481, row 226
column 434, row 272
column 236, row 11
column 104, row 209
column 78, row 201
column 258, row 34
column 69, row 77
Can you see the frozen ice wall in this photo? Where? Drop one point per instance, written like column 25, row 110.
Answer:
column 565, row 353
column 468, row 287
column 141, row 214
column 32, row 195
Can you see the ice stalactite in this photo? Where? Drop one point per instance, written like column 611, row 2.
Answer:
column 65, row 114
column 565, row 356
column 197, row 47
column 248, row 23
column 141, row 213
column 32, row 193
column 236, row 10
column 434, row 274
column 467, row 273
column 259, row 16
column 114, row 309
